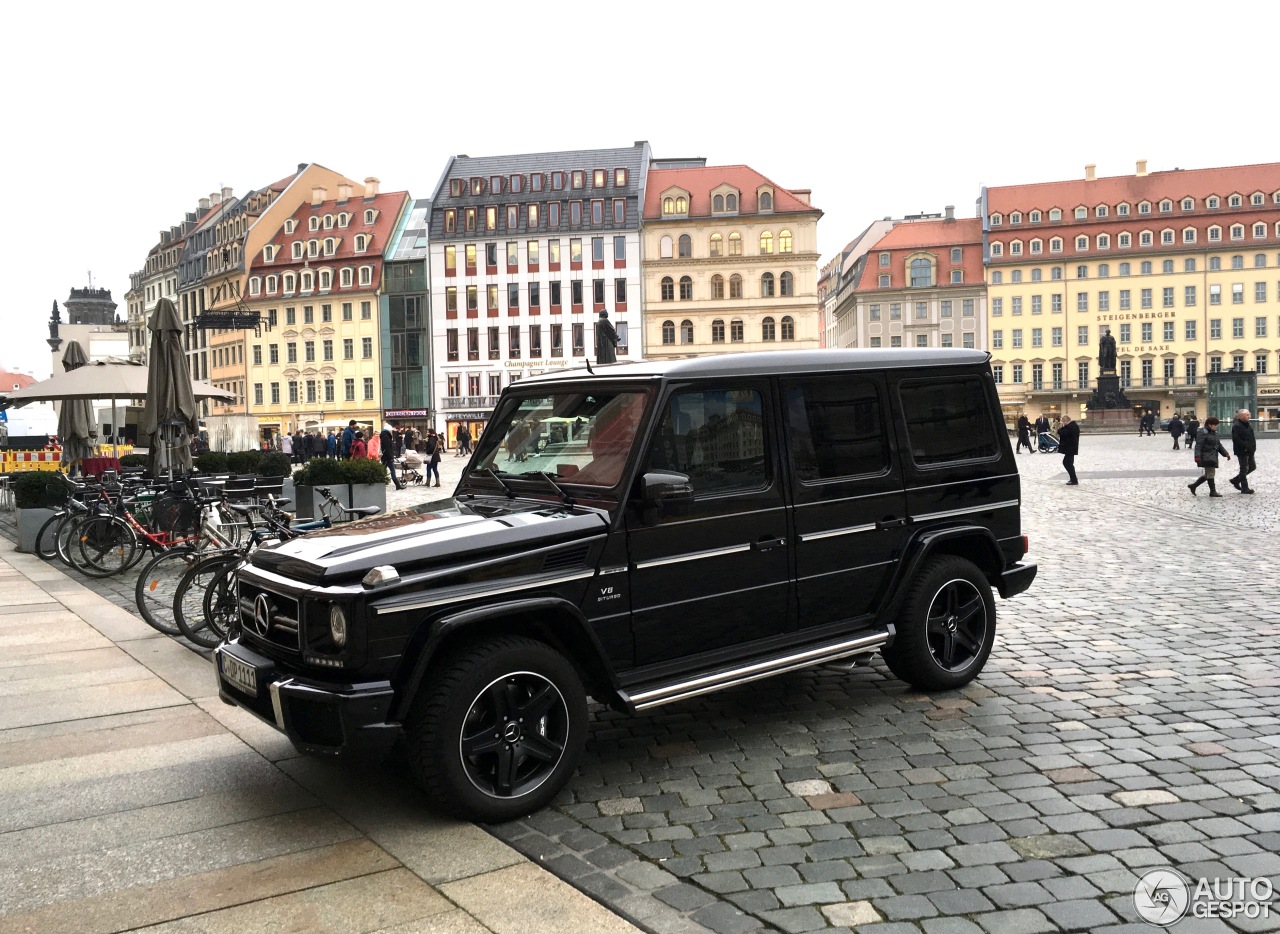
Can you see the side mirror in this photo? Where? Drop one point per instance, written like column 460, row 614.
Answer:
column 665, row 493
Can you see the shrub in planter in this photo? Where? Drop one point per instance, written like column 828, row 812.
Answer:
column 244, row 462
column 135, row 460
column 39, row 489
column 363, row 470
column 212, row 462
column 273, row 464
column 320, row 471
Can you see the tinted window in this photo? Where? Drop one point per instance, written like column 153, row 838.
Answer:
column 716, row 438
column 834, row 428
column 947, row 420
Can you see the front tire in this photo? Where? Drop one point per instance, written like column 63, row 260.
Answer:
column 498, row 729
column 947, row 626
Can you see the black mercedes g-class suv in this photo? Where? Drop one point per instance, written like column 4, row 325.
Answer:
column 642, row 534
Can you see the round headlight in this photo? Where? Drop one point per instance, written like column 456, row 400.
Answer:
column 338, row 625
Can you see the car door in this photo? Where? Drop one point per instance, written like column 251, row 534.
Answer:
column 717, row 573
column 850, row 508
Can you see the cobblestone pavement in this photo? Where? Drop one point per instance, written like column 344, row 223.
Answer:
column 1129, row 719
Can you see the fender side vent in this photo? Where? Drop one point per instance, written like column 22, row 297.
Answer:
column 565, row 560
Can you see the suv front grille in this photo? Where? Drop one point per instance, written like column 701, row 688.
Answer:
column 283, row 617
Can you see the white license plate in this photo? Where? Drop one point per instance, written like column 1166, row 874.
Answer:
column 243, row 676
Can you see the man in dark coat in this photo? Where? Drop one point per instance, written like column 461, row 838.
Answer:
column 606, row 339
column 348, row 437
column 1193, row 431
column 387, row 454
column 319, row 446
column 300, row 451
column 1244, row 444
column 1069, row 447
column 1024, row 434
column 1207, row 449
column 1176, row 428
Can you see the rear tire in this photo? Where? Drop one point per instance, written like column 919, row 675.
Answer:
column 47, row 537
column 497, row 729
column 107, row 546
column 158, row 583
column 189, row 600
column 947, row 627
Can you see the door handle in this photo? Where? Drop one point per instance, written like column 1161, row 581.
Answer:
column 768, row 544
column 892, row 522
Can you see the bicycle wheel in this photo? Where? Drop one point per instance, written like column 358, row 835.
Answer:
column 47, row 537
column 68, row 540
column 157, row 585
column 188, row 602
column 108, row 546
column 222, row 600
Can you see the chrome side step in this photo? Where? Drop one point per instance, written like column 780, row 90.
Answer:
column 729, row 677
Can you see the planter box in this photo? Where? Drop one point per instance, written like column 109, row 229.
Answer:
column 307, row 499
column 30, row 521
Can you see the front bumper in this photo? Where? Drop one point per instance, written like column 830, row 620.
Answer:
column 1014, row 580
column 333, row 719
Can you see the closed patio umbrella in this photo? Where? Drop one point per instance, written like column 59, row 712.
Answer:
column 77, row 428
column 170, row 415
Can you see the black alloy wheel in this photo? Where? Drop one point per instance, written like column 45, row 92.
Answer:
column 947, row 626
column 497, row 728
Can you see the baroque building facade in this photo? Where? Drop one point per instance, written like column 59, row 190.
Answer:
column 730, row 262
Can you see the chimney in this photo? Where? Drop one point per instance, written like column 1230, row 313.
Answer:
column 371, row 187
column 344, row 193
column 302, row 167
column 1090, row 172
column 318, row 194
column 1142, row 168
column 803, row 195
column 226, row 193
column 215, row 197
column 205, row 204
column 951, row 212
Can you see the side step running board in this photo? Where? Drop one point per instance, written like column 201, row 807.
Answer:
column 764, row 668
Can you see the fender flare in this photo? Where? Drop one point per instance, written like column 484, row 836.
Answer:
column 924, row 544
column 579, row 643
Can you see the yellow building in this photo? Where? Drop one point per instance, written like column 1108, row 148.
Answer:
column 1182, row 267
column 730, row 262
column 316, row 285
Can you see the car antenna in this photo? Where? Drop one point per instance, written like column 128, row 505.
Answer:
column 587, row 361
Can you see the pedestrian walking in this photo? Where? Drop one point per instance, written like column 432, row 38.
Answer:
column 286, row 446
column 348, row 438
column 1245, row 445
column 1207, row 449
column 387, row 447
column 300, row 453
column 1176, row 429
column 1069, row 447
column 464, row 441
column 331, row 445
column 1024, row 434
column 431, row 451
column 1193, row 431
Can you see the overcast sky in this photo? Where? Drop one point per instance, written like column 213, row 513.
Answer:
column 118, row 117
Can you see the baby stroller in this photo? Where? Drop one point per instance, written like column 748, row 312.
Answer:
column 1048, row 442
column 411, row 468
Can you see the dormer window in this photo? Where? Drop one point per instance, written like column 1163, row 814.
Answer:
column 579, row 179
column 495, row 184
column 1122, row 210
column 297, row 249
column 1035, row 217
column 328, row 222
column 1055, row 214
column 290, row 226
column 307, row 280
column 313, row 248
column 1144, row 207
column 765, row 199
column 457, row 187
column 1235, row 201
column 313, row 223
column 1082, row 213
column 1256, row 199
column 370, row 216
column 1166, row 206
column 289, row 281
column 1213, row 202
column 1101, row 211
column 619, row 178
column 535, row 181
column 477, row 186
column 997, row 220
column 598, row 178
column 516, row 183
column 361, row 243
column 329, row 243
column 344, row 277
column 1015, row 217
column 273, row 283
column 344, row 219
column 255, row 286
column 269, row 253
column 1188, row 204
column 326, row 280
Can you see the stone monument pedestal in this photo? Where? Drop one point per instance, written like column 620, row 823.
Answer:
column 1109, row 407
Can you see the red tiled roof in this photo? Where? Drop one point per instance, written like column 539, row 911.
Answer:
column 700, row 181
column 1114, row 189
column 9, row 380
column 932, row 236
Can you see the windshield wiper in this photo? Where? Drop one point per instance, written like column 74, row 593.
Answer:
column 511, row 494
column 564, row 494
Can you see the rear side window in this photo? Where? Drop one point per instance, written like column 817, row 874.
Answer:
column 835, row 428
column 948, row 420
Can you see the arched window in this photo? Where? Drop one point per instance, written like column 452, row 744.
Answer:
column 288, row 282
column 686, row 288
column 735, row 331
column 717, row 203
column 328, row 246
column 668, row 332
column 344, row 277
column 784, row 241
column 717, row 286
column 366, row 275
column 686, row 331
column 686, row 245
column 668, row 289
column 767, row 330
column 306, row 281
column 361, row 242
column 766, row 242
column 682, row 206
column 786, row 285
column 717, row 331
column 328, row 222
column 326, row 279
column 735, row 244
column 717, row 244
column 313, row 223
column 788, row 328
column 921, row 273
column 766, row 285
column 731, row 202
column 664, row 248
column 297, row 249
column 668, row 205
column 272, row 284
column 766, row 201
column 735, row 286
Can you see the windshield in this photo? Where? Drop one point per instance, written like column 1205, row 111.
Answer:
column 573, row 437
